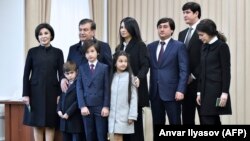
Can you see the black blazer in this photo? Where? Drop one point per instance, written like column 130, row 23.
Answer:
column 215, row 77
column 76, row 54
column 194, row 49
column 68, row 104
column 139, row 61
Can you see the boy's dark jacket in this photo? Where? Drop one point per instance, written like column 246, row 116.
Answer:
column 68, row 104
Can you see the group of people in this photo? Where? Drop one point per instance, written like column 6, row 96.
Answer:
column 95, row 93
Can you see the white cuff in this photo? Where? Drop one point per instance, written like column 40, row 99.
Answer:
column 192, row 76
column 198, row 93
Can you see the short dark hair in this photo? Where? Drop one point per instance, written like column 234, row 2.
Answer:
column 167, row 20
column 84, row 21
column 69, row 66
column 193, row 6
column 89, row 43
column 47, row 26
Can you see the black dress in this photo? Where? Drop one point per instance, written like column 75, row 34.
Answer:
column 43, row 69
column 215, row 78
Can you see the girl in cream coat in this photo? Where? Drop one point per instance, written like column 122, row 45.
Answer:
column 124, row 99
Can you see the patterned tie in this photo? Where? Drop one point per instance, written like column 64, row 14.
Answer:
column 161, row 51
column 189, row 35
column 92, row 68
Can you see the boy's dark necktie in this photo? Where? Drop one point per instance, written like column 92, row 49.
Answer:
column 92, row 68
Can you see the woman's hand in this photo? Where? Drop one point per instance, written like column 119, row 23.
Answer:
column 137, row 81
column 198, row 100
column 223, row 99
column 26, row 100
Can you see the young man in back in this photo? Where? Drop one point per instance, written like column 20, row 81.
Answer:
column 192, row 14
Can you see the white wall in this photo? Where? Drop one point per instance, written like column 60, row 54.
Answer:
column 11, row 47
column 65, row 17
column 11, row 52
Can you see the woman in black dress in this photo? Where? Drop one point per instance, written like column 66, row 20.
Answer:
column 215, row 75
column 131, row 42
column 41, row 89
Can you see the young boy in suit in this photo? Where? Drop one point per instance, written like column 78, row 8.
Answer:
column 70, row 116
column 93, row 93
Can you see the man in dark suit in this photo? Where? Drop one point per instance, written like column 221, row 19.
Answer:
column 192, row 14
column 87, row 29
column 168, row 74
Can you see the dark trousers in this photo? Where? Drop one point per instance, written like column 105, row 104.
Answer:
column 189, row 104
column 96, row 126
column 138, row 135
column 72, row 136
column 210, row 120
column 160, row 108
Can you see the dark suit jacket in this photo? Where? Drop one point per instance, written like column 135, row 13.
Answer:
column 194, row 51
column 76, row 54
column 171, row 74
column 215, row 77
column 41, row 84
column 68, row 104
column 93, row 89
column 139, row 61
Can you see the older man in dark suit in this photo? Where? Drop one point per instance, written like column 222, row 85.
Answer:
column 87, row 29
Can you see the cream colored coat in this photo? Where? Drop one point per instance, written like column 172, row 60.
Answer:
column 120, row 110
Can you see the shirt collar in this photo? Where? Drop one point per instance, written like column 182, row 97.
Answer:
column 95, row 62
column 195, row 25
column 166, row 41
column 214, row 39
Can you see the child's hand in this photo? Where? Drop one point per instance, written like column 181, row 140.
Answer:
column 85, row 111
column 130, row 121
column 60, row 114
column 105, row 112
column 65, row 116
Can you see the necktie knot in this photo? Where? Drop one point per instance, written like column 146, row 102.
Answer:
column 162, row 43
column 92, row 68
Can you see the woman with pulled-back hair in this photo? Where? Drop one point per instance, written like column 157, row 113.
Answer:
column 215, row 74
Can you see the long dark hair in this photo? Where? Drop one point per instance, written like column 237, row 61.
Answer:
column 208, row 26
column 128, row 69
column 133, row 29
